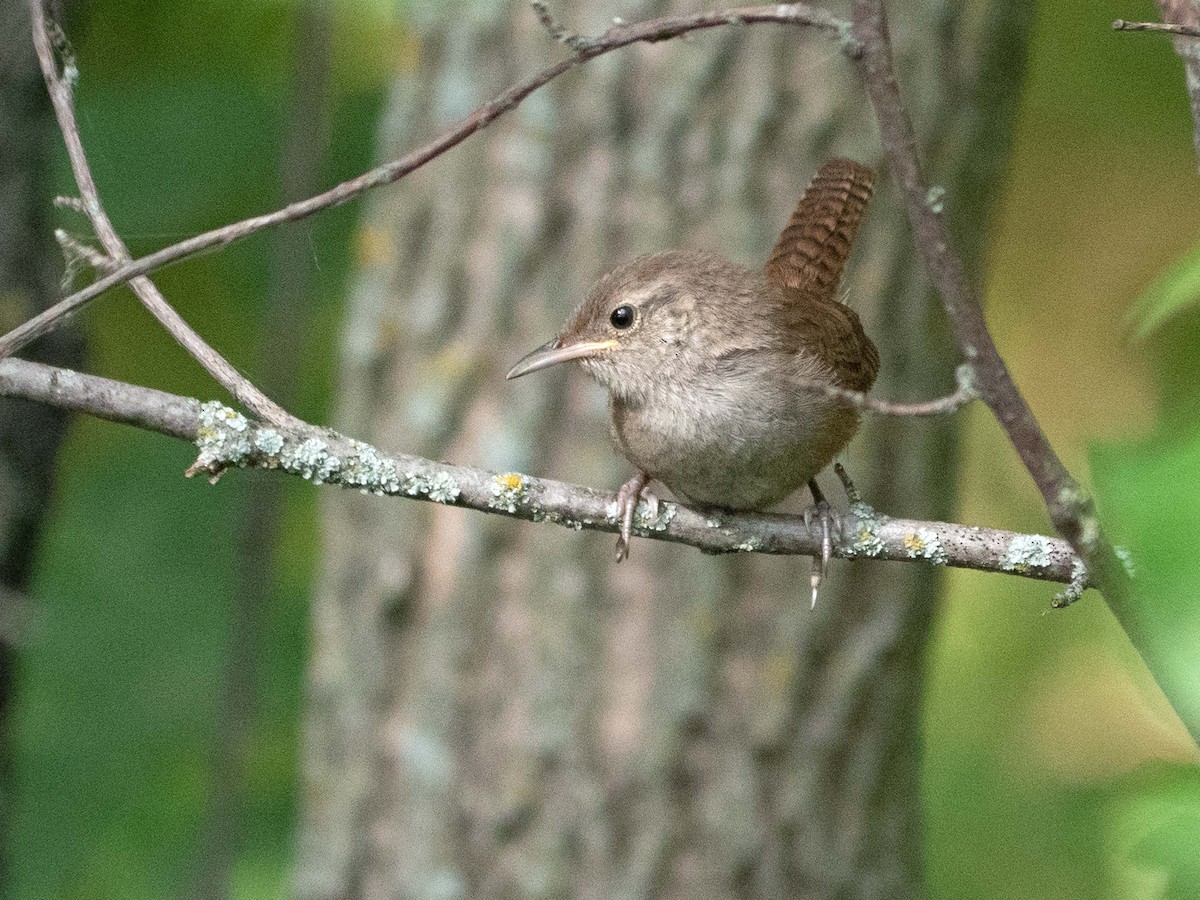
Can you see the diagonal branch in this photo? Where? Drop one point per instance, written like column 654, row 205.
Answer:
column 1071, row 509
column 58, row 84
column 616, row 37
column 228, row 440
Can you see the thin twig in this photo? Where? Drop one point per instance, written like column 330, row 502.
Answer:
column 228, row 440
column 1167, row 27
column 940, row 406
column 59, row 86
column 556, row 30
column 75, row 249
column 616, row 37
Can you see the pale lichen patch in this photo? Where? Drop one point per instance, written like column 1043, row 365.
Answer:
column 439, row 487
column 306, row 459
column 268, row 441
column 924, row 543
column 1125, row 555
column 222, row 435
column 867, row 522
column 508, row 492
column 1025, row 553
column 367, row 470
column 443, row 488
column 935, row 198
column 643, row 521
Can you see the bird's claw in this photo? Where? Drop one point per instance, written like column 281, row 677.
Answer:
column 627, row 500
column 830, row 522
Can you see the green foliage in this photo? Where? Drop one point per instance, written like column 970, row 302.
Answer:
column 1175, row 290
column 1152, row 835
column 1149, row 496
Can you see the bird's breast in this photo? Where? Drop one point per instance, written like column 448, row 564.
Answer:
column 739, row 437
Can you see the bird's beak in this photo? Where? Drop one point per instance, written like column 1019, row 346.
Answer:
column 551, row 354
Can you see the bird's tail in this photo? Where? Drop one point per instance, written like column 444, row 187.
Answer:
column 812, row 250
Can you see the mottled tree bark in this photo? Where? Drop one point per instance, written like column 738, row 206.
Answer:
column 496, row 710
column 30, row 433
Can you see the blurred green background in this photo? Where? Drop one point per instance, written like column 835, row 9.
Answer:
column 1054, row 768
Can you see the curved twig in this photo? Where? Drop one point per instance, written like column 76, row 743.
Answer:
column 616, row 37
column 59, row 86
column 939, row 406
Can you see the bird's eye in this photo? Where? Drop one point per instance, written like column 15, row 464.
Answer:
column 622, row 317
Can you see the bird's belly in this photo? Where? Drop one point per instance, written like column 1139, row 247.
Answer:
column 737, row 457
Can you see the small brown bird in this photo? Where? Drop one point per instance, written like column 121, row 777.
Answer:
column 704, row 361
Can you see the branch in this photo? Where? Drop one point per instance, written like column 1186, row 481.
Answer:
column 59, row 86
column 938, row 407
column 1070, row 509
column 228, row 440
column 1169, row 28
column 618, row 36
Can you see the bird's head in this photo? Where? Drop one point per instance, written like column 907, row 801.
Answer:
column 646, row 323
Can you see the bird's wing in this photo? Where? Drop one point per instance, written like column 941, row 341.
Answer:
column 829, row 330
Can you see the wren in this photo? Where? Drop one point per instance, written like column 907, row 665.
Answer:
column 705, row 360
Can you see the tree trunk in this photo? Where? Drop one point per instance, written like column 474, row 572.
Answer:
column 496, row 710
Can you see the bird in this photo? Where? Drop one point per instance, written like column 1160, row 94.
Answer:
column 710, row 365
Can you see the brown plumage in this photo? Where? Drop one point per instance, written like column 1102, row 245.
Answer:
column 703, row 359
column 807, row 265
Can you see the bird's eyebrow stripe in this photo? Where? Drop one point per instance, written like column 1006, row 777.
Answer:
column 650, row 297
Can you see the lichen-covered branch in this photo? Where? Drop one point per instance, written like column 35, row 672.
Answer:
column 228, row 440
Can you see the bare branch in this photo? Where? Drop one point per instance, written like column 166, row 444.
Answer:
column 76, row 252
column 228, row 440
column 1168, row 28
column 1070, row 509
column 59, row 86
column 618, row 36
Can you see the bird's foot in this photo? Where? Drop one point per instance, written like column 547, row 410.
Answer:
column 829, row 521
column 627, row 500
